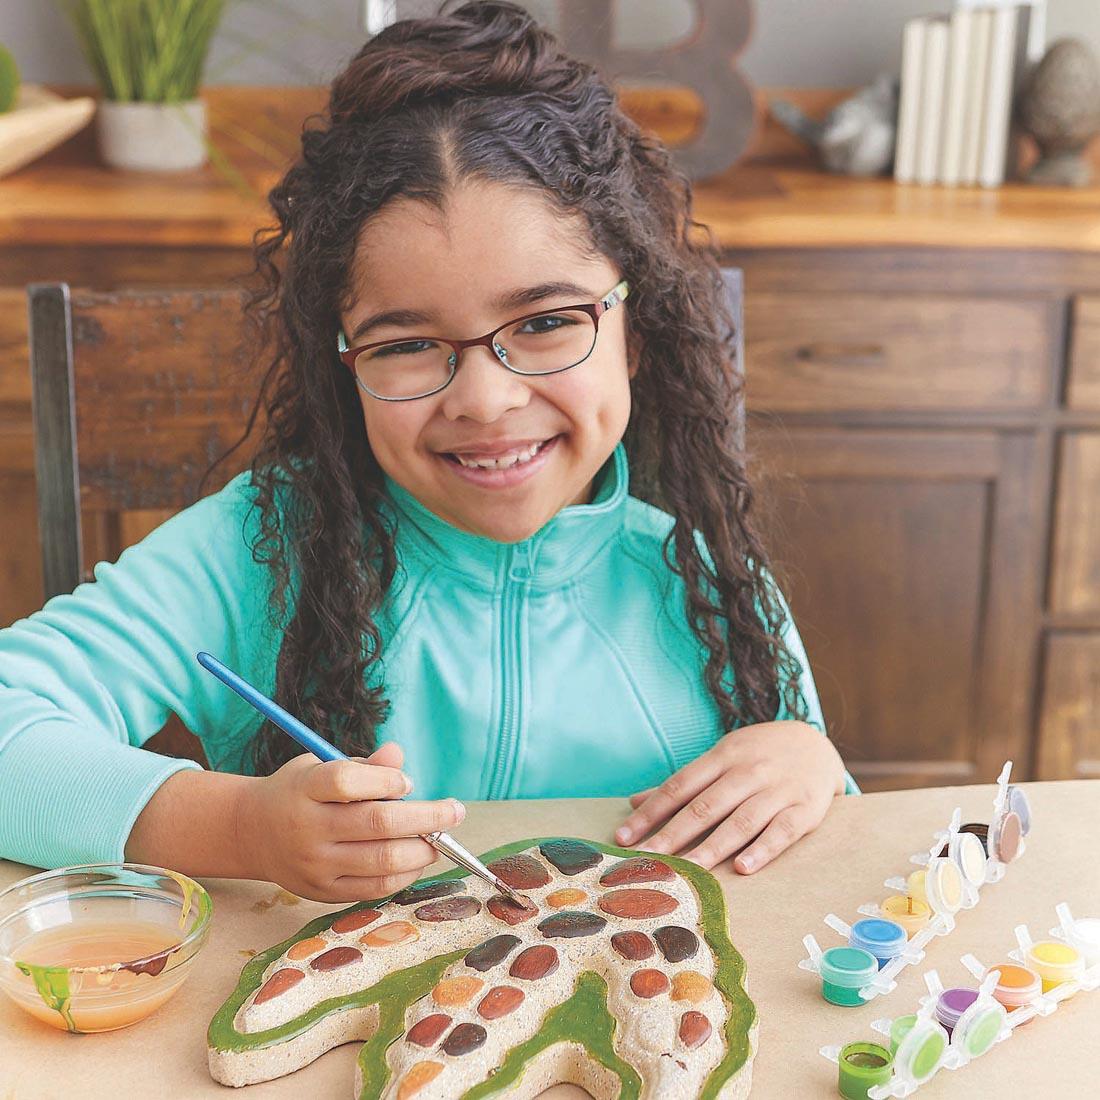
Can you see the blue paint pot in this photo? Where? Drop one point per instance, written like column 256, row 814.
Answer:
column 885, row 939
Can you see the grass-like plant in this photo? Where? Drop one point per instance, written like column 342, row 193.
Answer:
column 149, row 51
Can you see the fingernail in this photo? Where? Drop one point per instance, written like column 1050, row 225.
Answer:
column 747, row 862
column 623, row 835
column 408, row 783
column 460, row 810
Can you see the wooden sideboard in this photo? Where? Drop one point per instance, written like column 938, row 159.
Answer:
column 924, row 419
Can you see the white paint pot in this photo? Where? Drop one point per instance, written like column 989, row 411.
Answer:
column 152, row 137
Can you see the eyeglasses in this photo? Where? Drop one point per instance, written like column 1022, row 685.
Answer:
column 547, row 342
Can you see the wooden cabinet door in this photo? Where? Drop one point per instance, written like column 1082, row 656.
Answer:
column 910, row 559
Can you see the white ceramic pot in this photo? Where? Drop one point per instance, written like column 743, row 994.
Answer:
column 152, row 137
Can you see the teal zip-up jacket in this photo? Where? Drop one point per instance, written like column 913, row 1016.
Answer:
column 559, row 666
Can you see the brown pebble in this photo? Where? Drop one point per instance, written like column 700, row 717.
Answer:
column 508, row 911
column 676, row 943
column 426, row 1032
column 486, row 955
column 695, row 1029
column 352, row 922
column 391, row 934
column 534, row 963
column 463, row 1039
column 499, row 1001
column 638, row 904
column 570, row 857
column 277, row 984
column 632, row 945
column 569, row 896
column 689, row 985
column 336, row 957
column 638, row 869
column 521, row 872
column 571, row 923
column 448, row 909
column 304, row 948
column 427, row 891
column 452, row 992
column 649, row 982
column 419, row 1075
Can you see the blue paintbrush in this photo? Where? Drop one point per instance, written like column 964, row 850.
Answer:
column 316, row 744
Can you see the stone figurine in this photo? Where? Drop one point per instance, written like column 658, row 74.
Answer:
column 1059, row 106
column 857, row 136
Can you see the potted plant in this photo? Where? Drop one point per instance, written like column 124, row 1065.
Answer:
column 148, row 58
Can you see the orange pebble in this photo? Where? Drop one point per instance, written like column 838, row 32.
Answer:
column 389, row 935
column 569, row 896
column 304, row 948
column 456, row 991
column 419, row 1075
column 689, row 985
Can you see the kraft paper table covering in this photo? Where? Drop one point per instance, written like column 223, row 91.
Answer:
column 843, row 864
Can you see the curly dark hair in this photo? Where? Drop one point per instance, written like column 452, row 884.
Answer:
column 482, row 92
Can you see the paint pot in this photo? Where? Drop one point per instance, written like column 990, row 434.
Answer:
column 1006, row 836
column 899, row 1028
column 1055, row 962
column 1016, row 986
column 904, row 909
column 952, row 1003
column 943, row 885
column 862, row 1066
column 844, row 971
column 976, row 828
column 885, row 939
column 1017, row 802
column 921, row 1052
column 1084, row 935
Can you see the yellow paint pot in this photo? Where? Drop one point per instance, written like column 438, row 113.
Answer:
column 911, row 913
column 1055, row 962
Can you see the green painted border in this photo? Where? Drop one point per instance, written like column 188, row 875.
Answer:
column 399, row 990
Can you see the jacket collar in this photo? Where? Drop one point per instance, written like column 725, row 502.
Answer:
column 556, row 552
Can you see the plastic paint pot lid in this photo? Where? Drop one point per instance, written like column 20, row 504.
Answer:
column 848, row 967
column 900, row 1028
column 880, row 937
column 968, row 853
column 980, row 830
column 1084, row 934
column 1052, row 958
column 952, row 1003
column 944, row 886
column 921, row 1052
column 1005, row 837
column 978, row 1027
column 1016, row 980
column 1019, row 805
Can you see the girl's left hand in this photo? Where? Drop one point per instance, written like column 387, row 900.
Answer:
column 770, row 783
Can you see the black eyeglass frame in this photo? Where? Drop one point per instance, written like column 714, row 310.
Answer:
column 595, row 310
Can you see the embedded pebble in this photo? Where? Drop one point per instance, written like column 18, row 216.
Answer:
column 638, row 869
column 452, row 992
column 695, row 1029
column 649, row 982
column 427, row 891
column 278, row 983
column 486, row 955
column 448, row 909
column 570, row 923
column 508, row 911
column 419, row 1075
column 426, row 1032
column 676, row 943
column 632, row 945
column 390, row 935
column 569, row 896
column 336, row 957
column 570, row 857
column 521, row 872
column 499, row 1001
column 534, row 963
column 352, row 922
column 638, row 904
column 464, row 1038
column 689, row 985
column 304, row 948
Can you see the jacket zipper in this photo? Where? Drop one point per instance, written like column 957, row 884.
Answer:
column 512, row 606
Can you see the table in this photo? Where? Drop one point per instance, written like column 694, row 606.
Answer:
column 843, row 864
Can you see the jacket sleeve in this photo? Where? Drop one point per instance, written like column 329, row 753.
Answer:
column 88, row 679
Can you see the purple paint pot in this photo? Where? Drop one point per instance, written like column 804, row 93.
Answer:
column 952, row 1004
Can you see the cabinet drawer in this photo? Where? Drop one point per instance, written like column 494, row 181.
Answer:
column 1083, row 385
column 1069, row 736
column 825, row 352
column 1075, row 561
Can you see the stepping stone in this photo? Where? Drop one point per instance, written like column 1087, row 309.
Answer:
column 571, row 924
column 500, row 1001
column 570, row 857
column 427, row 1032
column 486, row 955
column 676, row 943
column 635, row 870
column 419, row 1075
column 561, row 898
column 649, row 982
column 390, row 935
column 448, row 909
column 463, row 1039
column 695, row 1029
column 336, row 958
column 427, row 891
column 535, row 963
column 352, row 922
column 638, row 904
column 304, row 948
column 632, row 945
column 452, row 992
column 508, row 911
column 521, row 872
column 691, row 986
column 278, row 984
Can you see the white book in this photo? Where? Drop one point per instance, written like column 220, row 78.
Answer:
column 931, row 101
column 974, row 115
column 912, row 59
column 998, row 97
column 954, row 107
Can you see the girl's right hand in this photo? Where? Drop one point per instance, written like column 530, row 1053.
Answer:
column 335, row 832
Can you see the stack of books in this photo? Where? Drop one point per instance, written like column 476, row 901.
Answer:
column 959, row 76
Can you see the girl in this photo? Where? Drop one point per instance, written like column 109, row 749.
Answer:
column 434, row 551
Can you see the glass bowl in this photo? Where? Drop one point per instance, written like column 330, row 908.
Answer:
column 100, row 946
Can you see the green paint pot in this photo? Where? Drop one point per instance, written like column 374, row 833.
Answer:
column 861, row 1067
column 844, row 970
column 921, row 1052
column 899, row 1029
